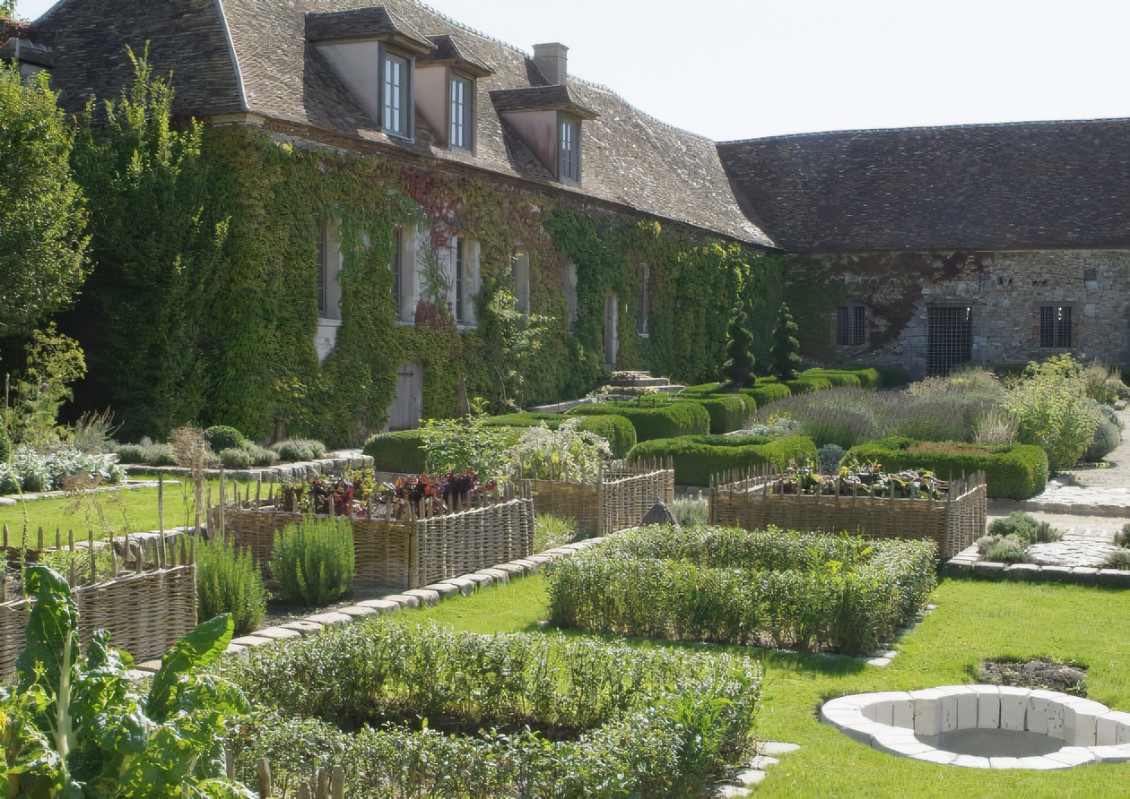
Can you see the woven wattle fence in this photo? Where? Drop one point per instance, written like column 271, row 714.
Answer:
column 953, row 522
column 401, row 553
column 145, row 605
column 616, row 497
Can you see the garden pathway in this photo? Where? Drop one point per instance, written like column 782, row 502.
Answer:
column 1089, row 504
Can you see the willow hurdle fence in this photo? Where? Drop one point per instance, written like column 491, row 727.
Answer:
column 396, row 545
column 614, row 497
column 143, row 591
column 953, row 522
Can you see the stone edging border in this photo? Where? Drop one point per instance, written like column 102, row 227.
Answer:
column 965, row 566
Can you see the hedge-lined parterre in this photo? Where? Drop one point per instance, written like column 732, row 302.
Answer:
column 422, row 711
column 697, row 458
column 654, row 418
column 772, row 588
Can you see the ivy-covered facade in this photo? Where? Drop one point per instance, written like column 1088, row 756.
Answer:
column 383, row 216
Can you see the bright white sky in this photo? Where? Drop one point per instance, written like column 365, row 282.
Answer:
column 736, row 69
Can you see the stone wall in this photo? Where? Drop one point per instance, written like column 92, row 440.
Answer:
column 1004, row 290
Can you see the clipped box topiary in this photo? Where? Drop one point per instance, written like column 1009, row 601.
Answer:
column 222, row 436
column 402, row 451
column 728, row 412
column 697, row 458
column 659, row 419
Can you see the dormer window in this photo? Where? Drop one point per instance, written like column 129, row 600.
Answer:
column 374, row 54
column 462, row 103
column 395, row 95
column 445, row 93
column 568, row 149
column 548, row 120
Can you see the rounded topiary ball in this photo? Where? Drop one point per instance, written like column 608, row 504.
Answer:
column 221, row 437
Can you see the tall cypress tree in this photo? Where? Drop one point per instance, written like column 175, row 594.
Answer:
column 785, row 356
column 738, row 368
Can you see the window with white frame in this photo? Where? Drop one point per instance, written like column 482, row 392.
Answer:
column 322, row 269
column 1055, row 326
column 520, row 268
column 460, row 112
column 642, row 309
column 404, row 275
column 570, row 286
column 851, row 325
column 327, row 267
column 568, row 149
column 465, row 279
column 396, row 101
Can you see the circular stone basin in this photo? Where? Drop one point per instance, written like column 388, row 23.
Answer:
column 985, row 726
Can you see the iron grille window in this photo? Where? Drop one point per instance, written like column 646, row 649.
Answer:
column 1055, row 326
column 949, row 337
column 461, row 113
column 850, row 325
column 394, row 99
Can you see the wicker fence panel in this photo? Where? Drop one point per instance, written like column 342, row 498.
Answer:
column 458, row 543
column 618, row 497
column 953, row 523
column 145, row 613
column 626, row 500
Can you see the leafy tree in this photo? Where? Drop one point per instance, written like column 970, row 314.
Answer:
column 785, row 356
column 41, row 208
column 738, row 367
column 54, row 363
column 152, row 246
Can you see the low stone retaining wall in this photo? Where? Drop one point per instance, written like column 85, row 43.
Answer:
column 333, row 463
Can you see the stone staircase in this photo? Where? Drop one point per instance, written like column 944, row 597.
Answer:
column 636, row 382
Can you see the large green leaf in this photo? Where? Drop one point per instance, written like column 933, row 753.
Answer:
column 197, row 649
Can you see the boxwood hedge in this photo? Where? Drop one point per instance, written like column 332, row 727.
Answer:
column 1013, row 471
column 771, row 588
column 728, row 412
column 765, row 393
column 401, row 451
column 421, row 711
column 659, row 419
column 696, row 458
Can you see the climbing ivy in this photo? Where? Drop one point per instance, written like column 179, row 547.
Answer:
column 212, row 307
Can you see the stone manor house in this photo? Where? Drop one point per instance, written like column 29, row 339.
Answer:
column 924, row 247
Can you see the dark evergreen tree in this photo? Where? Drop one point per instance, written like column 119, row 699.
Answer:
column 785, row 356
column 738, row 368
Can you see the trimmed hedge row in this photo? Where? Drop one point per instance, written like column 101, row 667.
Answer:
column 728, row 412
column 1013, row 471
column 696, row 458
column 768, row 588
column 516, row 715
column 401, row 451
column 659, row 420
column 616, row 430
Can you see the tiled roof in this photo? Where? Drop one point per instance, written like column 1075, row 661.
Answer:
column 629, row 159
column 449, row 50
column 364, row 23
column 541, row 98
column 1012, row 186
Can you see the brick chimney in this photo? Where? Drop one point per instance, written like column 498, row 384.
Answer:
column 552, row 61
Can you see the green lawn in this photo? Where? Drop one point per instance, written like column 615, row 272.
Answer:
column 972, row 621
column 134, row 510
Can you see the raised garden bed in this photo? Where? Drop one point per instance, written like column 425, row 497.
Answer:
column 422, row 711
column 769, row 588
column 398, row 544
column 953, row 516
column 617, row 496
